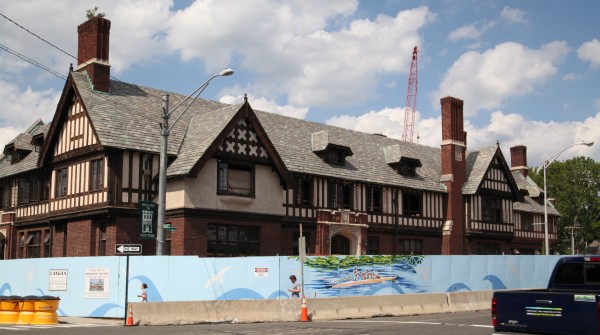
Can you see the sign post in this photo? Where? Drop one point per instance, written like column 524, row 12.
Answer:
column 127, row 249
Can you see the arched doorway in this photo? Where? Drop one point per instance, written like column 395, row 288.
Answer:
column 340, row 245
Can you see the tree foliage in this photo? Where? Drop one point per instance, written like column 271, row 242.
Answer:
column 575, row 184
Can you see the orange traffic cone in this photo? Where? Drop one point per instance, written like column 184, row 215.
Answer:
column 304, row 314
column 130, row 317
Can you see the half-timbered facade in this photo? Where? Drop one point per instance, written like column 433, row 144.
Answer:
column 242, row 181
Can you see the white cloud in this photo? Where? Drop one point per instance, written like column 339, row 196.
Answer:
column 19, row 109
column 572, row 77
column 303, row 59
column 485, row 80
column 7, row 134
column 542, row 139
column 513, row 15
column 22, row 108
column 470, row 32
column 135, row 33
column 266, row 105
column 465, row 32
column 590, row 52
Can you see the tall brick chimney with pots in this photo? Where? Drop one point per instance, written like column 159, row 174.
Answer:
column 518, row 159
column 92, row 52
column 454, row 145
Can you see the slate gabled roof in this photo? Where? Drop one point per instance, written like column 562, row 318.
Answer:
column 201, row 133
column 129, row 117
column 23, row 142
column 534, row 191
column 292, row 139
column 477, row 163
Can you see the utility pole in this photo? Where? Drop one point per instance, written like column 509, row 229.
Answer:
column 573, row 238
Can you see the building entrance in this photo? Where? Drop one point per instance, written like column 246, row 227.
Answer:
column 340, row 245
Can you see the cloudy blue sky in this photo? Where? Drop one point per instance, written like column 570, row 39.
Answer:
column 528, row 71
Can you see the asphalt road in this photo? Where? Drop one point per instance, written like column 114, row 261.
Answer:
column 464, row 323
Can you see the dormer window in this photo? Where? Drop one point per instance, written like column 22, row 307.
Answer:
column 407, row 166
column 335, row 155
column 37, row 141
column 329, row 152
column 399, row 159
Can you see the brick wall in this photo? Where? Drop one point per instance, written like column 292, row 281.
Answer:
column 454, row 140
column 94, row 38
column 518, row 159
column 80, row 239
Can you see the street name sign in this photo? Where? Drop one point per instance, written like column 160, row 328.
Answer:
column 128, row 249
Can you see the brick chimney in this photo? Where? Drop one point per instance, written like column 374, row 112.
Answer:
column 92, row 52
column 454, row 144
column 518, row 159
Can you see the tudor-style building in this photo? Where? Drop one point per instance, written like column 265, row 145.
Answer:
column 241, row 181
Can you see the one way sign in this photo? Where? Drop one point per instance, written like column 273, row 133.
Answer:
column 128, row 249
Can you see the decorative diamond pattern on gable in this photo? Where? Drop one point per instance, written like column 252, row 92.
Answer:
column 242, row 141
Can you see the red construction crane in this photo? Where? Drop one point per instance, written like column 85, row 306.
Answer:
column 411, row 100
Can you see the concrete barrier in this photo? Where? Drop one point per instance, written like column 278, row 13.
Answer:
column 285, row 310
column 470, row 301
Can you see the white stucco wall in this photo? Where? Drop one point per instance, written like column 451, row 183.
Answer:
column 201, row 192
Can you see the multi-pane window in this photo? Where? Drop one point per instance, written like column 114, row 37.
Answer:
column 167, row 242
column 235, row 178
column 340, row 195
column 491, row 209
column 411, row 203
column 231, row 240
column 30, row 189
column 61, row 182
column 97, row 174
column 21, row 251
column 411, row 247
column 35, row 189
column 34, row 244
column 374, row 199
column 47, row 243
column 303, row 191
column 295, row 244
column 23, row 190
column 527, row 221
column 5, row 195
column 102, row 239
column 373, row 245
column 488, row 248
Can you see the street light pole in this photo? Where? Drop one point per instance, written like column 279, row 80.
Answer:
column 165, row 130
column 547, row 162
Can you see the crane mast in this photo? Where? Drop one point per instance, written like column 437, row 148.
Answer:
column 411, row 100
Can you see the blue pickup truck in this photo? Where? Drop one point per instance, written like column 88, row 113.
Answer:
column 570, row 304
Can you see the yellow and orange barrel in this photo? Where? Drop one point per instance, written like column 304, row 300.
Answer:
column 10, row 309
column 45, row 310
column 26, row 309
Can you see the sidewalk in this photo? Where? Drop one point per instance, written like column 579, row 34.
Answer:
column 94, row 321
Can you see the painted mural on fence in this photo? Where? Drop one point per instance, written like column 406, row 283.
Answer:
column 333, row 276
column 185, row 278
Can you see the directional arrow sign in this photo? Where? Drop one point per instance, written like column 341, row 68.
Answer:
column 128, row 249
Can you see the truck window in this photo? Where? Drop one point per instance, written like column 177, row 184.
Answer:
column 569, row 274
column 592, row 273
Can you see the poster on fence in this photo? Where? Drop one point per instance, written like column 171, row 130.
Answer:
column 57, row 279
column 97, row 283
